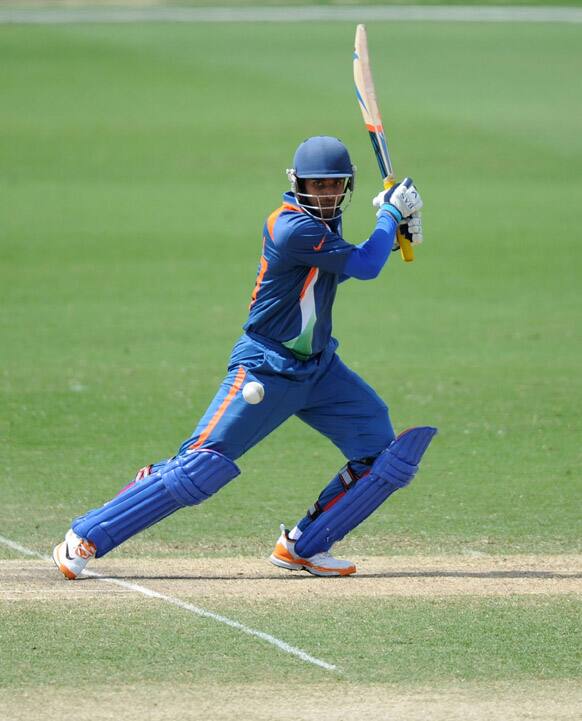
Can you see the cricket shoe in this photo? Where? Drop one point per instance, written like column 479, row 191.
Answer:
column 73, row 554
column 322, row 564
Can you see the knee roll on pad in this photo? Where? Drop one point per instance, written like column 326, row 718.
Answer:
column 393, row 469
column 194, row 477
column 185, row 480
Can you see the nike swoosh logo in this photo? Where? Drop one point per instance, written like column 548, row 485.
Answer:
column 319, row 246
column 67, row 552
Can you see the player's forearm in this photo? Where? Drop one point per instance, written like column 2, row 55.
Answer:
column 367, row 259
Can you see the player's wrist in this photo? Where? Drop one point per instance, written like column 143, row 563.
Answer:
column 392, row 211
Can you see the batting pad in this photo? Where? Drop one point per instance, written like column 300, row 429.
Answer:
column 393, row 469
column 185, row 480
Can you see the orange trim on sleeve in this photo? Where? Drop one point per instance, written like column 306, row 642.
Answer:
column 236, row 386
column 260, row 276
column 272, row 219
column 294, row 208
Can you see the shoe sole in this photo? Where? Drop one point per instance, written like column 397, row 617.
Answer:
column 304, row 565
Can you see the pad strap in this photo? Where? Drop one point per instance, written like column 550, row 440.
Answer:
column 338, row 486
column 393, row 469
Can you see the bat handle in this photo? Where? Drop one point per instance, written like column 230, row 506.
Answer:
column 406, row 249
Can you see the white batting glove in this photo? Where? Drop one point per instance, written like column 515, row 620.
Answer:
column 411, row 228
column 401, row 200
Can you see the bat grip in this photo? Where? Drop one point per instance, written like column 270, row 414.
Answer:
column 406, row 249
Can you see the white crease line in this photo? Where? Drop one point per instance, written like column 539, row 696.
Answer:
column 281, row 645
column 21, row 549
column 359, row 13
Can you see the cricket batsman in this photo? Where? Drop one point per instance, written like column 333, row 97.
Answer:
column 286, row 364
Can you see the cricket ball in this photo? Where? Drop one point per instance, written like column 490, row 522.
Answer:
column 253, row 392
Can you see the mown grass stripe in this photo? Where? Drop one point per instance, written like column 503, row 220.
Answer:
column 197, row 610
column 438, row 13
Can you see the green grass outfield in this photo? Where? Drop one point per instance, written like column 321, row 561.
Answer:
column 274, row 3
column 137, row 164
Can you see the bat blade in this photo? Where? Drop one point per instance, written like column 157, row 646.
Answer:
column 368, row 102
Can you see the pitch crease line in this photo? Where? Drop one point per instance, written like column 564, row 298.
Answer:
column 281, row 645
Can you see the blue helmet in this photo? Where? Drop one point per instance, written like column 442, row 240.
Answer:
column 321, row 157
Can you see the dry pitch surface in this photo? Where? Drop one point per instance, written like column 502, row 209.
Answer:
column 251, row 579
column 499, row 702
column 202, row 581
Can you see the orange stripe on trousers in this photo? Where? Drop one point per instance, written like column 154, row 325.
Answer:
column 236, row 386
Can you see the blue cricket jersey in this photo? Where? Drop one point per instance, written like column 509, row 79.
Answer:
column 300, row 267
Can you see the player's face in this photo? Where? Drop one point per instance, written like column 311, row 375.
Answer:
column 326, row 193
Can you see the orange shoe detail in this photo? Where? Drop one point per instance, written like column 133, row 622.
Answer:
column 72, row 555
column 321, row 564
column 69, row 575
column 282, row 553
column 86, row 549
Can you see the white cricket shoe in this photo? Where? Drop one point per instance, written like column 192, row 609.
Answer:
column 322, row 564
column 73, row 554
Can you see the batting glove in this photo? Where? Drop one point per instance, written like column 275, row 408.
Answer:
column 411, row 228
column 401, row 200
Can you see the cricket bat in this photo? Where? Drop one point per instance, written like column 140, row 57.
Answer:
column 366, row 95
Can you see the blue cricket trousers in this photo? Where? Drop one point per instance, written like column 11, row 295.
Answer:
column 323, row 392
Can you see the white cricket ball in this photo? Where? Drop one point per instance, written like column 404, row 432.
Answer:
column 253, row 392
